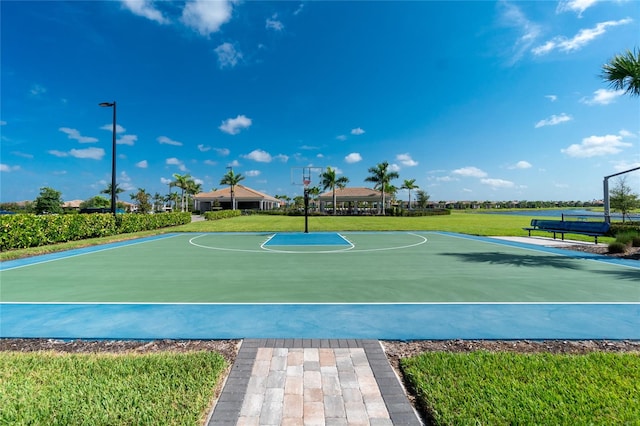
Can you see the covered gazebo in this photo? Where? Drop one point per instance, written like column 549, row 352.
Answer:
column 246, row 199
column 352, row 200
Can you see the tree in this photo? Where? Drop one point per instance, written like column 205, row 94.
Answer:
column 380, row 176
column 232, row 180
column 143, row 200
column 192, row 188
column 622, row 199
column 158, row 202
column 182, row 182
column 623, row 72
column 97, row 202
column 107, row 191
column 329, row 180
column 49, row 201
column 423, row 198
column 314, row 192
column 409, row 184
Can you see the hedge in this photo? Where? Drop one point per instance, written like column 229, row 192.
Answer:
column 28, row 230
column 222, row 214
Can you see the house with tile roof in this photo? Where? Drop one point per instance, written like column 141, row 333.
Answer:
column 245, row 198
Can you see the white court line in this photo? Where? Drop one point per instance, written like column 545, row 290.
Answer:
column 318, row 303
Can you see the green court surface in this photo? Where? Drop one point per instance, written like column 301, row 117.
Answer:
column 358, row 267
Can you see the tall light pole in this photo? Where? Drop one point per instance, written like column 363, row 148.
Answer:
column 113, row 156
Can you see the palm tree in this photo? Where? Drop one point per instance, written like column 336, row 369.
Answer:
column 381, row 177
column 107, row 190
column 192, row 188
column 313, row 192
column 232, row 180
column 423, row 198
column 329, row 180
column 623, row 72
column 181, row 181
column 409, row 184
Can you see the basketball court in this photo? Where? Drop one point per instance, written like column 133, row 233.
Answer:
column 379, row 285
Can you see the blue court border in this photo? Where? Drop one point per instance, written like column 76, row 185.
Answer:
column 392, row 321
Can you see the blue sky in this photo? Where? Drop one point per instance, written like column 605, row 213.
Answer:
column 475, row 100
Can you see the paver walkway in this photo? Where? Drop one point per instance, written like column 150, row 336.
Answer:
column 312, row 382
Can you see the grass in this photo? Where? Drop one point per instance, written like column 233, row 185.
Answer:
column 105, row 389
column 506, row 388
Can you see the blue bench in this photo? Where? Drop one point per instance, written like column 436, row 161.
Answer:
column 593, row 229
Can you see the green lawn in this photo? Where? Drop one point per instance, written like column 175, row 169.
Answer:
column 484, row 388
column 49, row 388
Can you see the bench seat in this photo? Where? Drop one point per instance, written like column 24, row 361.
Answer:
column 592, row 229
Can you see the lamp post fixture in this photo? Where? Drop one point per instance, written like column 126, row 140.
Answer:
column 113, row 156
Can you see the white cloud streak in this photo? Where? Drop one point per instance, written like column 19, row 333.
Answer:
column 259, row 156
column 470, row 172
column 554, row 120
column 164, row 140
column 406, row 160
column 603, row 97
column 578, row 41
column 228, row 55
column 75, row 134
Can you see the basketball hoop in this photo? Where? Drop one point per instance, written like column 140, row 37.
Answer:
column 306, row 182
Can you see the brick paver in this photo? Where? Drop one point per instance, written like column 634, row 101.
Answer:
column 312, row 382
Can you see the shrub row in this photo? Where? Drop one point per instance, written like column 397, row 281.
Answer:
column 28, row 230
column 222, row 214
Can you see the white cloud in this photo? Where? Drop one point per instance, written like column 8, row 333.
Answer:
column 299, row 9
column 163, row 140
column 581, row 39
column 603, row 97
column 146, row 9
column 3, row 123
column 127, row 140
column 37, row 90
column 341, row 137
column 282, row 157
column 521, row 165
column 90, row 153
column 552, row 98
column 206, row 16
column 175, row 162
column 228, row 55
column 406, row 160
column 554, row 120
column 497, row 183
column 446, row 179
column 234, row 163
column 621, row 166
column 357, row 131
column 354, row 157
column 109, row 127
column 165, row 181
column 577, row 6
column 274, row 24
column 528, row 31
column 7, row 168
column 594, row 146
column 210, row 162
column 259, row 156
column 252, row 173
column 470, row 172
column 223, row 152
column 394, row 167
column 233, row 126
column 75, row 134
column 142, row 164
column 203, row 148
column 124, row 181
column 57, row 153
column 22, row 154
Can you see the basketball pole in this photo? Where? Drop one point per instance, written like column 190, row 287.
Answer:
column 306, row 210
